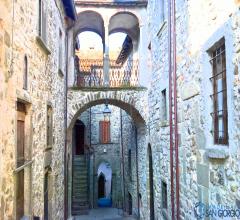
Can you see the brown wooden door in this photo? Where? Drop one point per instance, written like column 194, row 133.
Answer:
column 20, row 195
column 20, row 142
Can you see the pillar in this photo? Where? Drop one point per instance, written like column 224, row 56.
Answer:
column 106, row 56
column 144, row 78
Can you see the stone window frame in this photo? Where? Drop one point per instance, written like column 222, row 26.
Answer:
column 42, row 20
column 214, row 151
column 216, row 51
column 42, row 33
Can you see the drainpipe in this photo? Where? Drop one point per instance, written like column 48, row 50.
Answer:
column 138, row 202
column 175, row 106
column 170, row 104
column 123, row 170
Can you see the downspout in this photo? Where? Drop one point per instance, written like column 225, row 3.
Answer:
column 65, row 126
column 123, row 170
column 175, row 106
column 138, row 202
column 170, row 105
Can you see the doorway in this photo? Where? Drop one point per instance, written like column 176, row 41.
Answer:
column 79, row 137
column 101, row 186
column 129, row 204
column 151, row 192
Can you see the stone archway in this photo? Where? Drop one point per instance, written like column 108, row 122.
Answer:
column 133, row 101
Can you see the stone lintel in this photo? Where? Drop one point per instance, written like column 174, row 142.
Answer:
column 220, row 154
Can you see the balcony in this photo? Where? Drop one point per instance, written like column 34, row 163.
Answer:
column 90, row 73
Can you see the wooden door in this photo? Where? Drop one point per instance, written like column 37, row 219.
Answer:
column 20, row 195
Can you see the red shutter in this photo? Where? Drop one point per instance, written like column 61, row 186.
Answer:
column 104, row 131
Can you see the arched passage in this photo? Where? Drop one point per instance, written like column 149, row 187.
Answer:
column 132, row 101
column 89, row 21
column 131, row 28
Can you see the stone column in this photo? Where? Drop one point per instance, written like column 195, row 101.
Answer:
column 106, row 56
column 143, row 70
column 135, row 65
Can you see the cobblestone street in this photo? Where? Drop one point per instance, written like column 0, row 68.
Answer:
column 104, row 214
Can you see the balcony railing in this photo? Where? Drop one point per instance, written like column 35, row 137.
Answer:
column 90, row 73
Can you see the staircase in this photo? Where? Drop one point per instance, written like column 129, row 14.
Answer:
column 80, row 203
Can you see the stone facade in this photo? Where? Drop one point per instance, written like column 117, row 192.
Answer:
column 45, row 87
column 208, row 173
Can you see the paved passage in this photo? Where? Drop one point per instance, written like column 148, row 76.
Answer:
column 104, row 214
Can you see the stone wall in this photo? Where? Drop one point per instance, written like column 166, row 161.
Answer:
column 108, row 153
column 203, row 175
column 18, row 38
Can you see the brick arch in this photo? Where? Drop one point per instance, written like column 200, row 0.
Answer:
column 134, row 102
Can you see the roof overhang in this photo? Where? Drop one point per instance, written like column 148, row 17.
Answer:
column 70, row 9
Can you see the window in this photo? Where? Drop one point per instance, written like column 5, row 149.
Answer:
column 49, row 126
column 104, row 132
column 60, row 60
column 130, row 164
column 164, row 105
column 25, row 73
column 21, row 108
column 219, row 96
column 164, row 195
column 42, row 22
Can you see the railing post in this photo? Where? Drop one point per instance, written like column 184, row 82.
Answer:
column 106, row 57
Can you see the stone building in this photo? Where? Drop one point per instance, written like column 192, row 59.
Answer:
column 171, row 146
column 207, row 63
column 32, row 88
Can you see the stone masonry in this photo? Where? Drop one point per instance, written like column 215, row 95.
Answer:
column 45, row 86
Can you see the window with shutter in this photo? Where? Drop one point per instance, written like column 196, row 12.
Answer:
column 42, row 23
column 104, row 132
column 21, row 108
column 219, row 96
